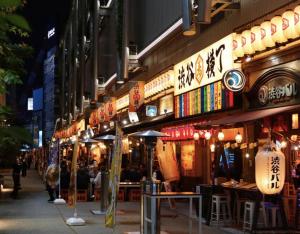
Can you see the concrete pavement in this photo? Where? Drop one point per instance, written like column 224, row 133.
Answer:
column 31, row 213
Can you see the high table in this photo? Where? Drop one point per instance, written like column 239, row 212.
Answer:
column 251, row 192
column 128, row 185
column 154, row 217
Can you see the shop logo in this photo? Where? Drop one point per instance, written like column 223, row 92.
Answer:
column 199, row 69
column 263, row 95
column 234, row 80
column 285, row 23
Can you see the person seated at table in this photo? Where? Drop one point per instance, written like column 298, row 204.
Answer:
column 134, row 175
column 142, row 171
column 64, row 176
column 157, row 175
column 296, row 176
column 83, row 178
column 125, row 174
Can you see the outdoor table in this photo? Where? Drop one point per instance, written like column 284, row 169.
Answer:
column 250, row 191
column 128, row 185
column 173, row 195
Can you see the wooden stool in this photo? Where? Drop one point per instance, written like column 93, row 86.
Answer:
column 121, row 195
column 135, row 195
column 82, row 195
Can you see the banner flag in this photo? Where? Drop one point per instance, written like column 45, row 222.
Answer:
column 114, row 179
column 72, row 195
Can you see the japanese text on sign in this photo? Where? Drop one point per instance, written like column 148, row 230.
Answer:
column 204, row 67
column 275, row 172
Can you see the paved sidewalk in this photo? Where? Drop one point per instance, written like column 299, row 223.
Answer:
column 31, row 213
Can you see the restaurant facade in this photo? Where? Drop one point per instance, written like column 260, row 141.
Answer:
column 219, row 96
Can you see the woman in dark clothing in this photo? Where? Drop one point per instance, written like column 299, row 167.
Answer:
column 83, row 178
column 24, row 167
column 64, row 177
column 17, row 167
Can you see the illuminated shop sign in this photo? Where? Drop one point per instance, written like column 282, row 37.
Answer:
column 159, row 84
column 166, row 104
column 110, row 108
column 122, row 102
column 136, row 96
column 184, row 132
column 204, row 67
column 277, row 87
column 208, row 98
column 151, row 110
column 276, row 93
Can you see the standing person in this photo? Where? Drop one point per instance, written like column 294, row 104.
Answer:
column 51, row 177
column 296, row 176
column 17, row 167
column 24, row 167
column 29, row 160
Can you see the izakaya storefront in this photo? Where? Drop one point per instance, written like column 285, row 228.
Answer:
column 200, row 95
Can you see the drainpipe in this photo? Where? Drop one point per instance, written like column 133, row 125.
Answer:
column 75, row 59
column 125, row 49
column 70, row 39
column 81, row 54
column 63, row 78
column 95, row 52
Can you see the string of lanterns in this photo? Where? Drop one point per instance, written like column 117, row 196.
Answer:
column 279, row 29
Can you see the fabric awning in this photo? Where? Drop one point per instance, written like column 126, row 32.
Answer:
column 248, row 116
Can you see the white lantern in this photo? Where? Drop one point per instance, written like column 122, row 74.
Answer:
column 297, row 18
column 196, row 136
column 288, row 25
column 207, row 135
column 212, row 148
column 269, row 169
column 237, row 46
column 277, row 30
column 238, row 138
column 256, row 40
column 266, row 34
column 246, row 42
column 221, row 136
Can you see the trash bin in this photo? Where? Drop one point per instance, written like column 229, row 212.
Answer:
column 152, row 209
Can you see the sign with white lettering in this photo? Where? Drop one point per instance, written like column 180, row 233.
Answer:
column 204, row 67
column 278, row 87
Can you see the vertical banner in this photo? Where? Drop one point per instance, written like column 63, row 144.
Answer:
column 73, row 180
column 53, row 154
column 136, row 96
column 101, row 112
column 110, row 109
column 114, row 178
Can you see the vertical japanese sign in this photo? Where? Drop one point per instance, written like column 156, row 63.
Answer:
column 114, row 179
column 110, row 108
column 204, row 67
column 72, row 193
column 101, row 112
column 136, row 96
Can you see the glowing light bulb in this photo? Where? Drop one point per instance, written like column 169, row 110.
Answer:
column 196, row 136
column 238, row 138
column 283, row 144
column 247, row 155
column 207, row 135
column 212, row 148
column 221, row 136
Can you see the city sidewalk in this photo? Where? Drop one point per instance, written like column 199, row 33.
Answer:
column 31, row 213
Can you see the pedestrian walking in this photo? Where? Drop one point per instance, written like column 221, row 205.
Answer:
column 17, row 167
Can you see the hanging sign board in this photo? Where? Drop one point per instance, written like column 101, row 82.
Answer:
column 204, row 67
column 136, row 96
column 110, row 108
column 122, row 102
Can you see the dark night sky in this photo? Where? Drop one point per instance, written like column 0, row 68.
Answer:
column 39, row 13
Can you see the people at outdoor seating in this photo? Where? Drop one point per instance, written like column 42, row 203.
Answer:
column 64, row 176
column 83, row 178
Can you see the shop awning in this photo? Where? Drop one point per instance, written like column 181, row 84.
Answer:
column 242, row 117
